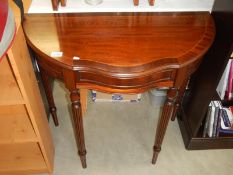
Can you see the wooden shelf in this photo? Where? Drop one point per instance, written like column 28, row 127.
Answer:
column 15, row 126
column 10, row 93
column 24, row 158
column 201, row 143
column 25, row 140
column 202, row 86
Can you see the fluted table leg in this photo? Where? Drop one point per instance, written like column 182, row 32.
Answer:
column 163, row 122
column 78, row 124
column 49, row 95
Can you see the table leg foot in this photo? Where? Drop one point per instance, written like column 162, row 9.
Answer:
column 83, row 159
column 155, row 154
column 163, row 122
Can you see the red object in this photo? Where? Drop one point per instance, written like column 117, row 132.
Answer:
column 230, row 79
column 3, row 16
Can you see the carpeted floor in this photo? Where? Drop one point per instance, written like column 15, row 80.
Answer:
column 119, row 139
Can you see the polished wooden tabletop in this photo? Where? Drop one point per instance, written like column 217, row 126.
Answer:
column 119, row 52
column 119, row 40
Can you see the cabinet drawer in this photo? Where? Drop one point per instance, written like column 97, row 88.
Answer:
column 127, row 82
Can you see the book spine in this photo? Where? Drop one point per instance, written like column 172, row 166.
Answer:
column 219, row 119
column 230, row 131
column 222, row 85
column 231, row 109
column 231, row 94
column 216, row 116
column 207, row 121
column 228, row 118
column 211, row 120
column 218, row 125
column 229, row 86
column 225, row 118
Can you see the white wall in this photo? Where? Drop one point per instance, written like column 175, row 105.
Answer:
column 44, row 6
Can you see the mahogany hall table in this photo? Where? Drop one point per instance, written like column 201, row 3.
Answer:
column 119, row 52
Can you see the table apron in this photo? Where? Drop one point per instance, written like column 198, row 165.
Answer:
column 139, row 82
column 127, row 82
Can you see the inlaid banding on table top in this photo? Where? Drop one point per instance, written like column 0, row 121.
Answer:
column 121, row 39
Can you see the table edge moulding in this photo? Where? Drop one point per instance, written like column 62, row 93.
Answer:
column 120, row 52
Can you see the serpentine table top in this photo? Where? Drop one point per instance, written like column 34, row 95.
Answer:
column 120, row 52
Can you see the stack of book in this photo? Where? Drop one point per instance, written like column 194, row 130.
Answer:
column 219, row 120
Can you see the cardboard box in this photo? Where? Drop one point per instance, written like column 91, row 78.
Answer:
column 104, row 97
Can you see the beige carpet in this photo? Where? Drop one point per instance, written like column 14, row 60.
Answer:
column 119, row 140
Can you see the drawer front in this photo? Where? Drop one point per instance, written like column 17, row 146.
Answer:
column 127, row 82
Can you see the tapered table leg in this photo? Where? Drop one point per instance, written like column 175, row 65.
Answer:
column 49, row 95
column 163, row 122
column 78, row 124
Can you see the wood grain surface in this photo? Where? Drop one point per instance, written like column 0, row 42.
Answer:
column 121, row 39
